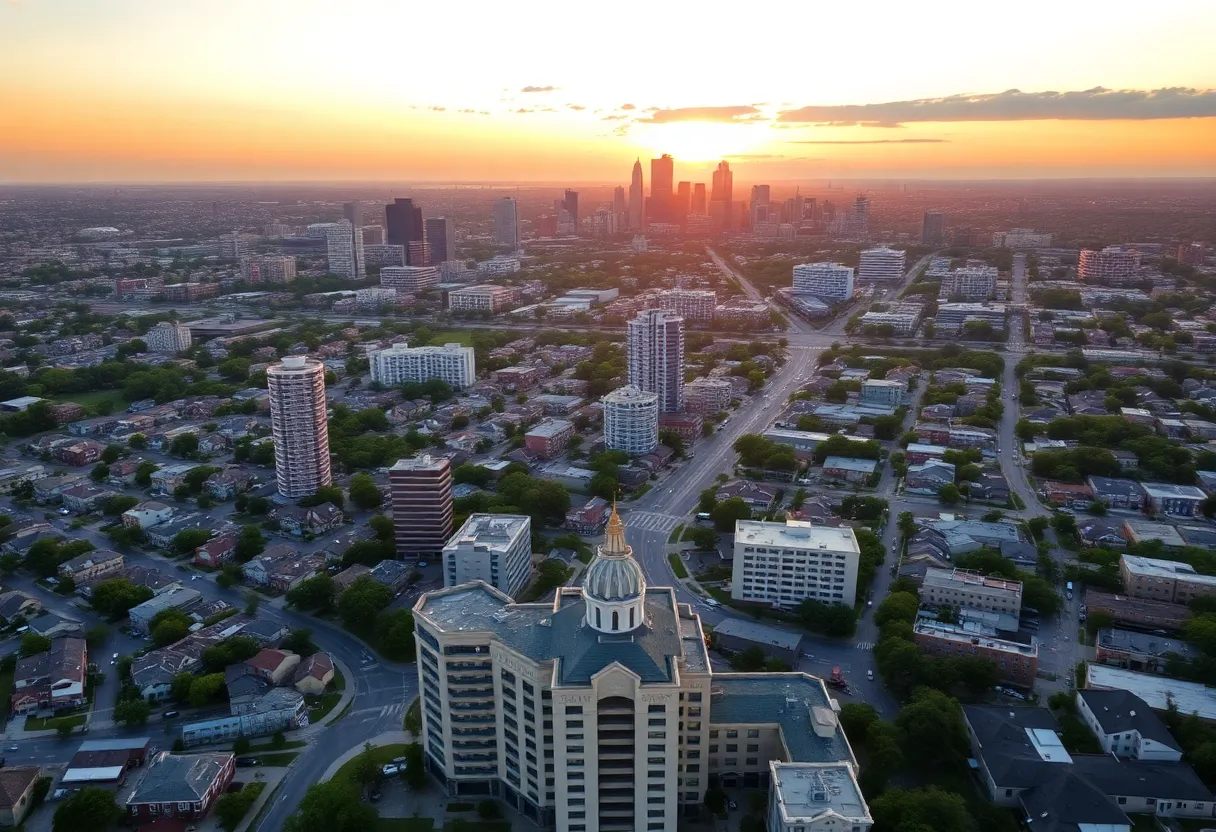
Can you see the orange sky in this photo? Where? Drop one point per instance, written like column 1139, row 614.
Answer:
column 132, row 91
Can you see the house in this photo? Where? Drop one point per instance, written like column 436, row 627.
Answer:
column 141, row 615
column 184, row 786
column 1067, row 494
column 1095, row 532
column 314, row 674
column 272, row 665
column 147, row 514
column 91, row 565
column 311, row 520
column 84, row 497
column 291, row 572
column 50, row 625
column 928, row 477
column 1126, row 726
column 49, row 490
column 350, row 574
column 166, row 479
column 216, row 551
column 394, row 574
column 991, row 487
column 267, row 632
column 82, row 452
column 245, row 687
column 590, row 518
column 162, row 535
column 259, row 570
column 223, row 485
column 17, row 793
column 54, row 679
column 758, row 496
column 1117, row 492
column 16, row 603
column 849, row 470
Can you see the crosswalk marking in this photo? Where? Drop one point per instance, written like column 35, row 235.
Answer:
column 865, row 645
column 651, row 521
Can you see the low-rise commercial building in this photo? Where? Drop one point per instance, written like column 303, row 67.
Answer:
column 1164, row 580
column 1016, row 662
column 959, row 588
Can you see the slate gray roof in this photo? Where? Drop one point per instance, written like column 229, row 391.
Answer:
column 1008, row 754
column 783, row 698
column 1120, row 710
column 1135, row 778
column 179, row 779
column 1068, row 800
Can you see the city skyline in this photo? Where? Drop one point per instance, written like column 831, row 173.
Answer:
column 178, row 94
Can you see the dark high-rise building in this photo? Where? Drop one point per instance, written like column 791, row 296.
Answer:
column 698, row 198
column 441, row 237
column 352, row 212
column 662, row 184
column 636, row 199
column 933, row 229
column 723, row 184
column 683, row 203
column 418, row 253
column 403, row 224
column 570, row 205
column 620, row 208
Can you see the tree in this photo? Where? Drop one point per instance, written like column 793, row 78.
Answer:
column 364, row 493
column 252, row 602
column 143, row 474
column 949, row 494
column 394, row 634
column 314, row 594
column 704, row 538
column 856, row 719
column 1037, row 526
column 89, row 808
column 116, row 504
column 184, row 445
column 170, row 626
column 383, row 527
column 921, row 810
column 415, row 766
column 187, row 540
column 725, row 514
column 180, row 686
column 113, row 597
column 750, row 660
column 112, row 454
column 96, row 636
column 299, row 641
column 332, row 806
column 206, row 689
column 932, row 726
column 32, row 644
column 100, row 472
column 328, row 494
column 137, row 441
column 898, row 606
column 132, row 712
column 366, row 770
column 361, row 602
column 249, row 544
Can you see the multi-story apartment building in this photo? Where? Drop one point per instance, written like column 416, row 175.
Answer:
column 783, row 564
column 881, row 265
column 631, row 421
column 299, row 426
column 707, row 395
column 877, row 391
column 933, row 228
column 1016, row 663
column 599, row 711
column 378, row 255
column 190, row 291
column 493, row 548
column 168, row 337
column 830, row 282
column 344, row 247
column 952, row 317
column 691, row 304
column 375, row 298
column 957, row 588
column 1112, row 264
column 970, row 282
column 268, row 269
column 484, row 297
column 549, row 438
column 903, row 318
column 420, row 492
column 1020, row 238
column 398, row 364
column 655, row 356
column 1164, row 580
column 412, row 279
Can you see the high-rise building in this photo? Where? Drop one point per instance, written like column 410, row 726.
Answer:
column 721, row 196
column 620, row 207
column 344, row 247
column 631, row 421
column 168, row 337
column 570, row 205
column 493, row 548
column 373, row 235
column 403, row 223
column 441, row 236
column 379, row 255
column 969, row 283
column 698, row 199
column 636, row 196
column 398, row 364
column 881, row 264
column 691, row 304
column 761, row 210
column 830, row 282
column 606, row 668
column 420, row 490
column 298, row 425
column 506, row 223
column 811, row 563
column 683, row 203
column 1111, row 264
column 352, row 212
column 655, row 356
column 409, row 278
column 933, row 228
column 419, row 253
column 268, row 269
column 662, row 188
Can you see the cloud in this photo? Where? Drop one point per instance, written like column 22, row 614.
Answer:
column 741, row 112
column 616, row 117
column 628, row 107
column 751, row 157
column 437, row 109
column 621, row 130
column 466, row 111
column 525, row 110
column 1097, row 104
column 539, row 89
column 575, row 107
column 549, row 110
column 872, row 141
column 854, row 124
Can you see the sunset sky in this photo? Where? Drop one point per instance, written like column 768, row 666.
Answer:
column 139, row 90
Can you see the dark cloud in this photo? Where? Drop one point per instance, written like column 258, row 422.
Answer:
column 575, row 107
column 617, row 117
column 1096, row 104
column 628, row 107
column 741, row 112
column 539, row 89
column 872, row 141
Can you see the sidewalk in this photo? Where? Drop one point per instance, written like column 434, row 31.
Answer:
column 389, row 738
column 348, row 694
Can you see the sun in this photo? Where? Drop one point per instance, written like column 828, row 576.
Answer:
column 696, row 141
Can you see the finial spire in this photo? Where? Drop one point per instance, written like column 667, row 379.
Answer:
column 614, row 538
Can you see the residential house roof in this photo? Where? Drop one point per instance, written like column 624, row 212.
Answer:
column 1118, row 711
column 15, row 782
column 173, row 778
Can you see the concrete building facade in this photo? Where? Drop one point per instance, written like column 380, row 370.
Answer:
column 420, row 490
column 493, row 548
column 398, row 364
column 783, row 564
column 631, row 421
column 299, row 426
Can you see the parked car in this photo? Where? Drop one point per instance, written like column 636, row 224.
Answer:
column 248, row 761
column 392, row 769
column 171, row 715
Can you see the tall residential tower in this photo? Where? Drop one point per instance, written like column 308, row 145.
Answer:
column 655, row 346
column 298, row 425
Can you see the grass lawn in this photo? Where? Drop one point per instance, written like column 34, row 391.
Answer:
column 382, row 754
column 405, row 825
column 279, row 759
column 675, row 534
column 321, row 705
column 687, row 536
column 37, row 723
column 677, row 566
column 464, row 337
column 90, row 399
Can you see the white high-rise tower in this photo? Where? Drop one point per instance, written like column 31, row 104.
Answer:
column 656, row 356
column 298, row 425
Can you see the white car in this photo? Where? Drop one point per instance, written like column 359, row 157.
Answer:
column 392, row 769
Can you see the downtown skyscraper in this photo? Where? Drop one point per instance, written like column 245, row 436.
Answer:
column 636, row 196
column 655, row 356
column 403, row 226
column 441, row 237
column 506, row 223
column 662, row 188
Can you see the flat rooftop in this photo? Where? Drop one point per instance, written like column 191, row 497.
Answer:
column 947, row 577
column 807, row 792
column 795, row 534
column 794, row 701
column 1156, row 691
column 759, row 633
column 490, row 531
column 1165, row 569
column 550, row 428
column 969, row 636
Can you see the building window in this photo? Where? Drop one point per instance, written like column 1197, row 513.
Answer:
column 694, row 697
column 752, row 761
column 616, row 621
column 732, row 734
column 753, row 733
column 631, row 624
column 713, row 734
column 731, row 747
column 598, row 622
column 751, row 746
column 657, row 709
column 574, row 709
